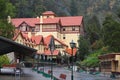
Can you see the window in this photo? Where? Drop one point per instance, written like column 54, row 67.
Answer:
column 37, row 28
column 63, row 29
column 73, row 28
column 24, row 28
column 32, row 29
column 64, row 36
column 58, row 46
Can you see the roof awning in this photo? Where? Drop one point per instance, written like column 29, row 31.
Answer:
column 7, row 46
column 108, row 56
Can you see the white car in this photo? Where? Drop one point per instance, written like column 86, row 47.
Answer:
column 7, row 70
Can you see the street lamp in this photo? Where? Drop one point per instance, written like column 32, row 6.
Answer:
column 37, row 58
column 72, row 45
column 52, row 48
column 43, row 62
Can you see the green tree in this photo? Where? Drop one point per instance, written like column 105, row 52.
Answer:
column 73, row 8
column 92, row 59
column 83, row 48
column 111, row 33
column 6, row 8
column 4, row 60
column 93, row 29
column 6, row 29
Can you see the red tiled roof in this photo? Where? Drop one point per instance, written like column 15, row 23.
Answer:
column 30, row 21
column 64, row 21
column 69, row 51
column 50, row 21
column 61, row 42
column 37, row 39
column 71, row 21
column 25, row 36
column 48, row 13
column 55, row 53
column 47, row 40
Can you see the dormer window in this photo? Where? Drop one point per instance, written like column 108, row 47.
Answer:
column 37, row 28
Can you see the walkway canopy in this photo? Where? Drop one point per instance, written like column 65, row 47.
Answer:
column 7, row 46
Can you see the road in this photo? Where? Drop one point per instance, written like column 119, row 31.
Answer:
column 29, row 74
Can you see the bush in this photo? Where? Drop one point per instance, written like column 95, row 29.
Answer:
column 4, row 60
column 92, row 59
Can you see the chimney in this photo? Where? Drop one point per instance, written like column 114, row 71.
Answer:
column 41, row 19
column 37, row 17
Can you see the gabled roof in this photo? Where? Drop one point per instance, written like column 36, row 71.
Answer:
column 37, row 39
column 71, row 21
column 24, row 36
column 30, row 21
column 63, row 21
column 61, row 42
column 47, row 40
column 48, row 13
column 51, row 21
column 69, row 51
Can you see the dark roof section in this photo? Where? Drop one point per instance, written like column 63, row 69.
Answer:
column 7, row 45
column 108, row 56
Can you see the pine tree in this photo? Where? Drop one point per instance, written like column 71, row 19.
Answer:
column 111, row 34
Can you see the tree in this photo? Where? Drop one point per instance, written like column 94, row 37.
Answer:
column 92, row 59
column 6, row 8
column 6, row 29
column 4, row 60
column 111, row 33
column 93, row 29
column 73, row 8
column 83, row 49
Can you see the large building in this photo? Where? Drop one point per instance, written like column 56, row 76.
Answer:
column 35, row 31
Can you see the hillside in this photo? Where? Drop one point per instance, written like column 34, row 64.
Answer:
column 87, row 8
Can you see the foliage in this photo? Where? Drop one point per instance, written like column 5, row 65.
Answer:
column 6, row 29
column 93, row 29
column 83, row 49
column 73, row 8
column 98, row 44
column 111, row 34
column 29, row 8
column 6, row 8
column 4, row 60
column 92, row 59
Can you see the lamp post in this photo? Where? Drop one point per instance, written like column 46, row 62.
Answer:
column 72, row 45
column 52, row 48
column 37, row 58
column 43, row 62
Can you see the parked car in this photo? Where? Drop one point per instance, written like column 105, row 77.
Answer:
column 7, row 70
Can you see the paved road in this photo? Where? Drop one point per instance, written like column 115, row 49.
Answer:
column 32, row 75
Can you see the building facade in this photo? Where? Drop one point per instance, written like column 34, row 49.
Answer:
column 64, row 29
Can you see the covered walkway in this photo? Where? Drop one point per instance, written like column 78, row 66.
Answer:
column 7, row 46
